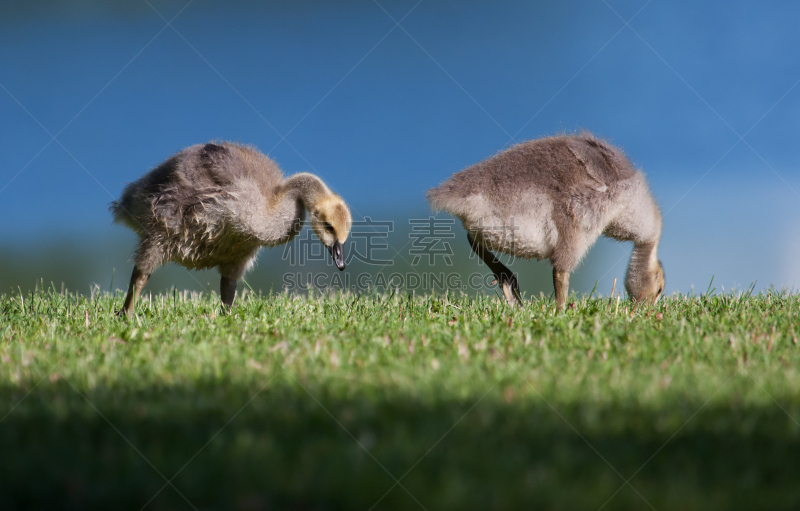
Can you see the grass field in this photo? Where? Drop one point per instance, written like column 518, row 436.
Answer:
column 397, row 402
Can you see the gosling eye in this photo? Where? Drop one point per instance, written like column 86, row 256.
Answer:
column 659, row 290
column 328, row 227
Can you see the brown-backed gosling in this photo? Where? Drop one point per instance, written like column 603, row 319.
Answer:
column 551, row 199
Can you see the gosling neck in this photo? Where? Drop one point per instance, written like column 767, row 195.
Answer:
column 644, row 261
column 307, row 188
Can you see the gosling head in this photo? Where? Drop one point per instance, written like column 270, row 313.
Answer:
column 331, row 221
column 647, row 287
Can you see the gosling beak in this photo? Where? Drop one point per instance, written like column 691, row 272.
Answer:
column 337, row 253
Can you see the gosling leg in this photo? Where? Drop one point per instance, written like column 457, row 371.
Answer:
column 561, row 285
column 227, row 290
column 138, row 281
column 503, row 276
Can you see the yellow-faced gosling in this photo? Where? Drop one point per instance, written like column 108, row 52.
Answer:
column 215, row 205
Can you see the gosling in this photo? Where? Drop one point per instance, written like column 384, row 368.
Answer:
column 551, row 199
column 215, row 205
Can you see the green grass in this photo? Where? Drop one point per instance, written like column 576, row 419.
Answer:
column 326, row 402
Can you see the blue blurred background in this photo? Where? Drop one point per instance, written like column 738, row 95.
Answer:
column 386, row 99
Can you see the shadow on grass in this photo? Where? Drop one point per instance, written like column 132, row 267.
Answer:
column 284, row 450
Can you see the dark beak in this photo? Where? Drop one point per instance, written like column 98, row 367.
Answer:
column 337, row 253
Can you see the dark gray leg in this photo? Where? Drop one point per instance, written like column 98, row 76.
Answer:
column 503, row 276
column 227, row 290
column 561, row 285
column 138, row 281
